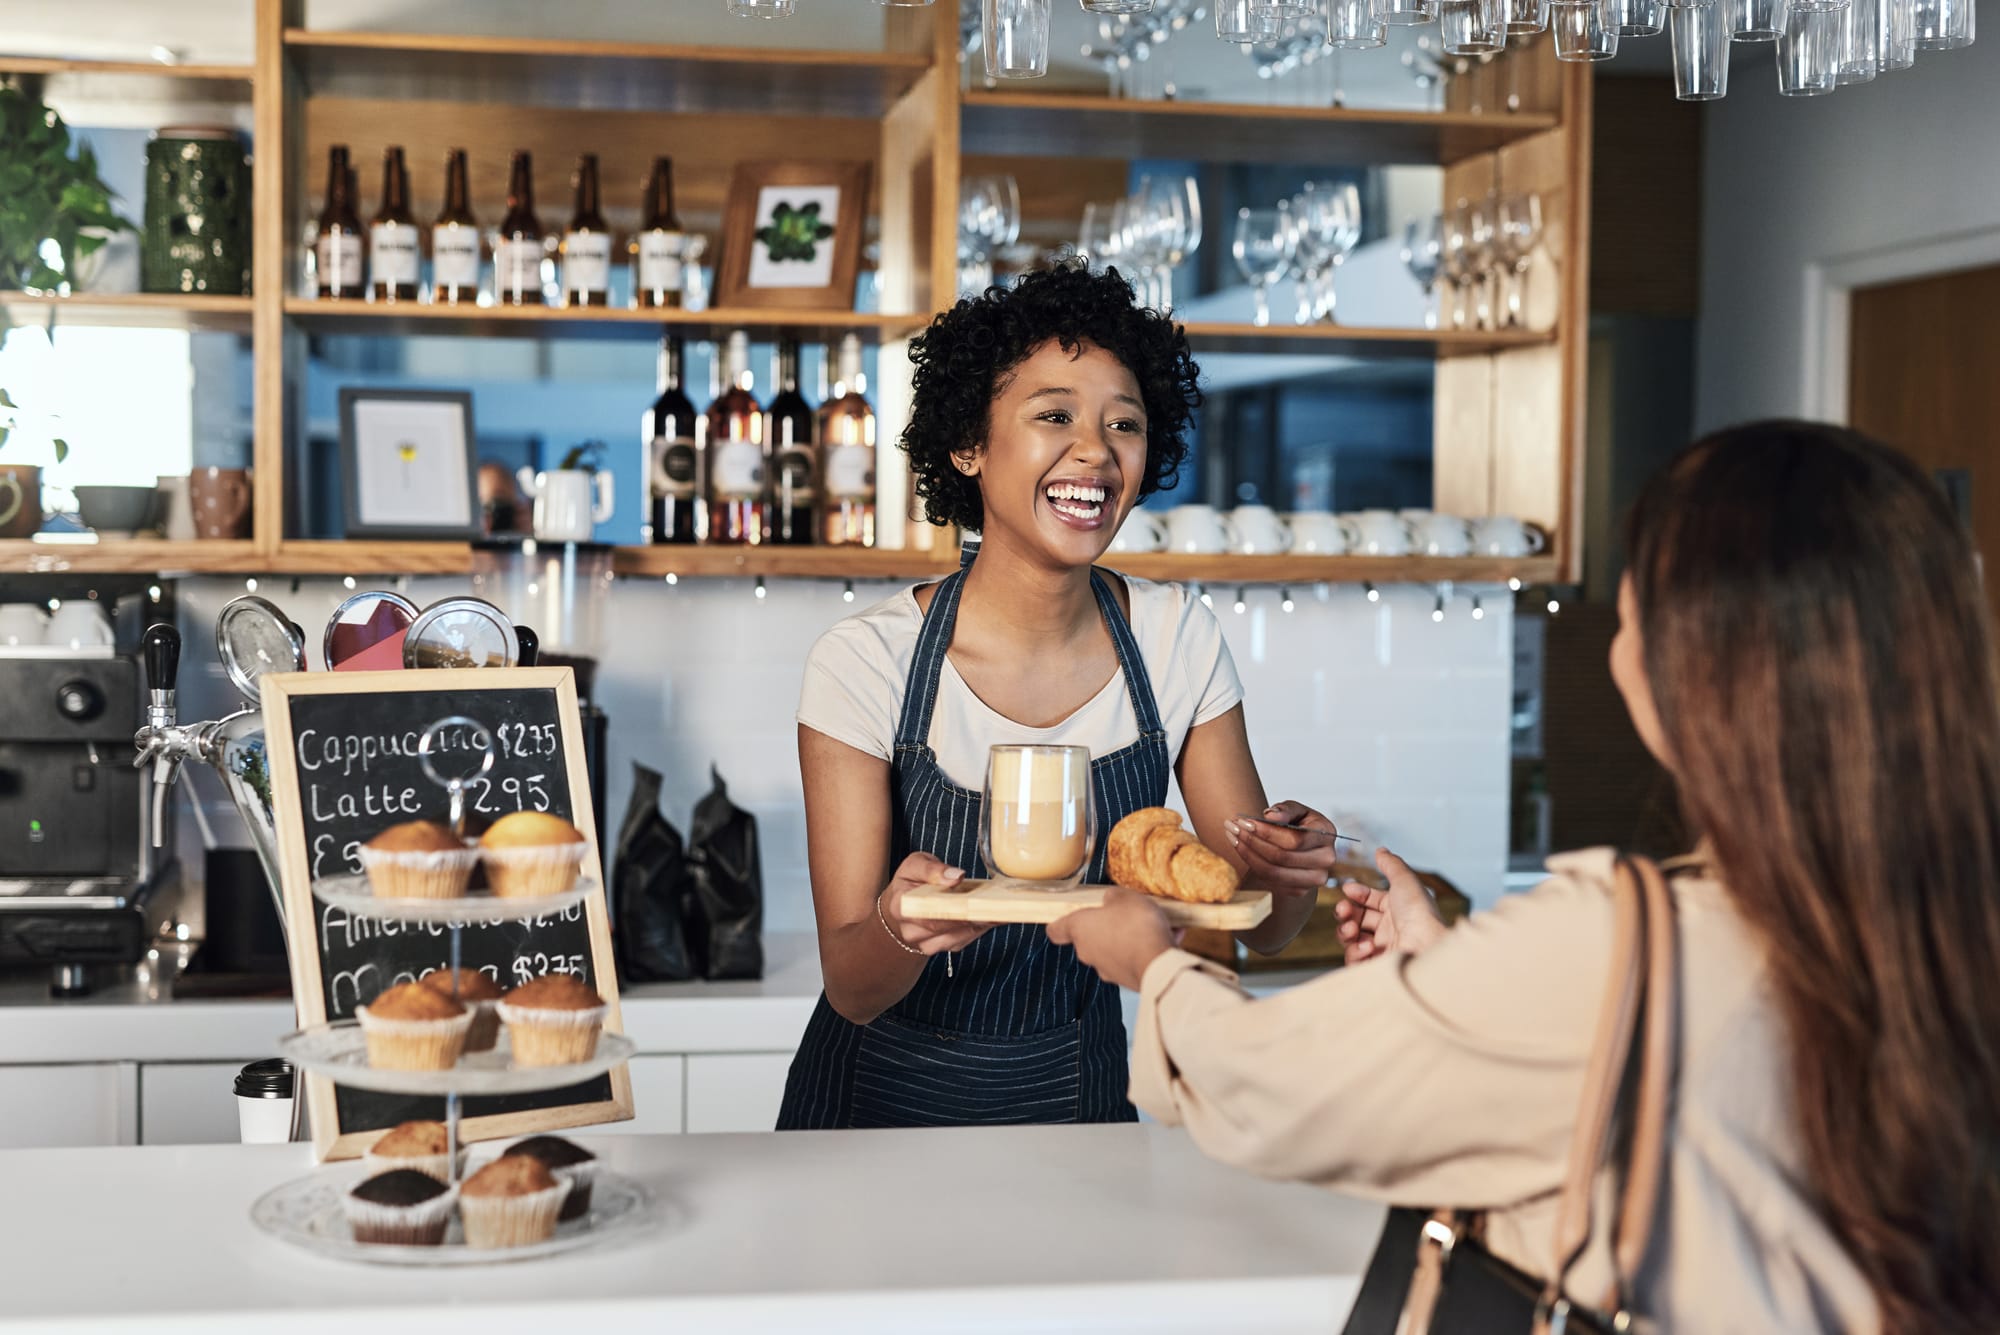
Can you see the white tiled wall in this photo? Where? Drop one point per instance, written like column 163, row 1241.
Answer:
column 1393, row 723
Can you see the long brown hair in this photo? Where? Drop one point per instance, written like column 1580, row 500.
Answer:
column 1818, row 649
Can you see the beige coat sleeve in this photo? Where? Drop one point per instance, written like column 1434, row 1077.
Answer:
column 1449, row 1077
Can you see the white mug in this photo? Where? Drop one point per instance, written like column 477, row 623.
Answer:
column 1439, row 535
column 1380, row 533
column 22, row 623
column 1321, row 533
column 1142, row 531
column 564, row 511
column 80, row 624
column 1197, row 530
column 1504, row 535
column 176, row 510
column 1257, row 531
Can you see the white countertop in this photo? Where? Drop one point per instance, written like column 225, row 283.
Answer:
column 1087, row 1229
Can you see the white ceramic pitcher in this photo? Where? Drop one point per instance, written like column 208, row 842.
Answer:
column 569, row 502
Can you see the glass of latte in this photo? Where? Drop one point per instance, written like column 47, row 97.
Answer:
column 1037, row 822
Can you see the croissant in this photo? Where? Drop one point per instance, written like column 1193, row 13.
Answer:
column 1149, row 851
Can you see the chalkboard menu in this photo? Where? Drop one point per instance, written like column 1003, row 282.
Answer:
column 343, row 749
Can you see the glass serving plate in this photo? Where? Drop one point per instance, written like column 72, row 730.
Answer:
column 306, row 1212
column 351, row 894
column 338, row 1051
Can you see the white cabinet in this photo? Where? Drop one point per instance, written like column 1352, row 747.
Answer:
column 189, row 1103
column 735, row 1091
column 658, row 1085
column 93, row 1103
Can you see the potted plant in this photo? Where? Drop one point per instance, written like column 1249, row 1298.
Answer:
column 20, row 484
column 54, row 208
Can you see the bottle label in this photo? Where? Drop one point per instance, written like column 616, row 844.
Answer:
column 586, row 262
column 454, row 256
column 736, row 469
column 850, row 473
column 795, row 473
column 393, row 254
column 339, row 258
column 517, row 265
column 674, row 468
column 660, row 256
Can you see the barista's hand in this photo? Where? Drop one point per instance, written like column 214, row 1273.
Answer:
column 1285, row 861
column 1120, row 939
column 932, row 938
column 1375, row 922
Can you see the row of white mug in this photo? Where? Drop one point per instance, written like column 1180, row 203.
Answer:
column 80, row 624
column 1258, row 530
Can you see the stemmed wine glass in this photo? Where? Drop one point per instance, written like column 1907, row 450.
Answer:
column 1098, row 240
column 1262, row 247
column 1187, row 236
column 1342, row 235
column 1423, row 244
column 1310, row 252
column 1520, row 227
column 1461, row 264
column 1483, row 258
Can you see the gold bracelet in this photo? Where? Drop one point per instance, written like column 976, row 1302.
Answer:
column 883, row 918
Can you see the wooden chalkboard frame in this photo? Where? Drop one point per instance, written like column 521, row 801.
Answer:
column 277, row 691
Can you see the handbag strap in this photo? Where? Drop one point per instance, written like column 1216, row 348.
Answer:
column 1642, row 981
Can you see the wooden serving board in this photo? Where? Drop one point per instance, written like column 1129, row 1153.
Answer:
column 1005, row 901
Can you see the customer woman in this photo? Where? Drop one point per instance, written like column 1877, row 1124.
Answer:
column 1803, row 643
column 1042, row 413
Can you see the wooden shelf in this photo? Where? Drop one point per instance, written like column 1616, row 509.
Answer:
column 1303, row 570
column 135, row 80
column 691, row 562
column 1045, row 124
column 131, row 556
column 1357, row 341
column 354, row 317
column 152, row 310
column 605, row 76
column 333, row 557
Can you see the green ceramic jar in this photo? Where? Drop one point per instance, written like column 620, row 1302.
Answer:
column 197, row 233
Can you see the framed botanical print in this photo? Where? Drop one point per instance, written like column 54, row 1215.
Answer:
column 409, row 466
column 791, row 235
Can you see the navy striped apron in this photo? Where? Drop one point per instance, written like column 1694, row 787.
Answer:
column 1017, row 1030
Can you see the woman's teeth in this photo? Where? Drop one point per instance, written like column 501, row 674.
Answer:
column 1077, row 500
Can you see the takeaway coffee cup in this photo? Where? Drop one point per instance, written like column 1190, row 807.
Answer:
column 264, row 1102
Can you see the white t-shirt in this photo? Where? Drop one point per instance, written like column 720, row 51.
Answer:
column 857, row 673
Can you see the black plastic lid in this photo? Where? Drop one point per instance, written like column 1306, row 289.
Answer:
column 270, row 1078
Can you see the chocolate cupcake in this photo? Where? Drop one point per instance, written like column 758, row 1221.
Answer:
column 419, row 859
column 478, row 994
column 421, row 1146
column 402, row 1207
column 568, row 1162
column 553, row 1021
column 529, row 854
column 411, row 1027
column 511, row 1202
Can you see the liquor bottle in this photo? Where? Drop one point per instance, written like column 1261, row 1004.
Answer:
column 669, row 430
column 735, row 453
column 394, row 252
column 455, row 250
column 517, row 255
column 659, row 247
column 847, row 455
column 339, row 246
column 795, row 460
column 586, row 246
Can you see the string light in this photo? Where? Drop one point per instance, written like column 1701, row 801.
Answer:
column 1242, row 604
column 760, row 586
column 1202, row 593
column 1285, row 603
column 1555, row 606
column 1374, row 594
column 672, row 578
column 847, row 592
column 251, row 584
column 1514, row 584
column 347, row 583
column 55, row 604
column 1478, row 612
column 153, row 592
column 1437, row 610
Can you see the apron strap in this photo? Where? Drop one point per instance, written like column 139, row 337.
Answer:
column 1138, row 684
column 921, row 687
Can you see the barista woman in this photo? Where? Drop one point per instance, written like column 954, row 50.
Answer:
column 1042, row 414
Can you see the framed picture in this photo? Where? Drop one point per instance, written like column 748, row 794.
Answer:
column 791, row 235
column 408, row 464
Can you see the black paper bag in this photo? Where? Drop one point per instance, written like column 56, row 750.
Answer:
column 653, row 890
column 729, row 884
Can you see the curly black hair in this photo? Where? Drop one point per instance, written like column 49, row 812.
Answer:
column 963, row 361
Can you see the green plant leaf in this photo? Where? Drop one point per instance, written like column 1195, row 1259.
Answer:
column 5, row 431
column 6, row 400
column 62, row 449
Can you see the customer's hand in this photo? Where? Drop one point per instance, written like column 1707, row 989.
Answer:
column 921, row 870
column 1288, row 862
column 1375, row 922
column 1118, row 940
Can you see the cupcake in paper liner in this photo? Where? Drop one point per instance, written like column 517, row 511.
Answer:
column 422, row 1147
column 478, row 994
column 569, row 1162
column 511, row 1202
column 553, row 1021
column 419, row 859
column 401, row 1207
column 529, row 855
column 411, row 1027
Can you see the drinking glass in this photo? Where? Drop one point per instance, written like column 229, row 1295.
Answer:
column 1037, row 819
column 1190, row 218
column 1244, row 21
column 1460, row 256
column 1756, row 20
column 1352, row 26
column 1262, row 248
column 1096, row 240
column 1701, row 52
column 1017, row 38
column 1809, row 52
column 763, row 9
column 1406, row 13
column 1943, row 25
column 1117, row 6
column 1343, row 218
column 1520, row 17
column 1635, row 18
column 1519, row 227
column 1423, row 244
column 1470, row 27
column 1899, row 34
column 1860, row 53
column 1583, row 33
column 1309, row 252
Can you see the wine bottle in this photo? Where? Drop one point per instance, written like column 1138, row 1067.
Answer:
column 394, row 252
column 847, row 455
column 338, row 249
column 795, row 460
column 669, row 429
column 455, row 248
column 517, row 255
column 735, row 453
column 586, row 246
column 659, row 248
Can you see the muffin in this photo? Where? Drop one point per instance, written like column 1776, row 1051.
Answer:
column 419, row 859
column 553, row 1021
column 403, row 1207
column 530, row 854
column 480, row 995
column 569, row 1162
column 423, row 1147
column 411, row 1027
column 511, row 1202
